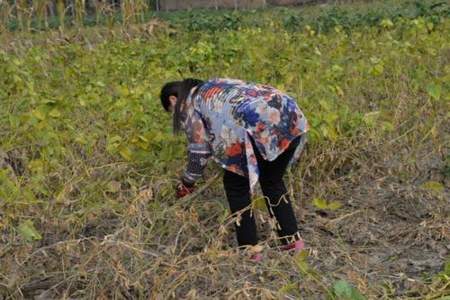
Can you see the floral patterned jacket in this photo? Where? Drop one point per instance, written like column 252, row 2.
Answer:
column 222, row 115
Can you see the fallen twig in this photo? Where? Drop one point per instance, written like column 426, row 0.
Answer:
column 334, row 221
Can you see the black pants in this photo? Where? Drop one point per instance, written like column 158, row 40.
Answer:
column 278, row 203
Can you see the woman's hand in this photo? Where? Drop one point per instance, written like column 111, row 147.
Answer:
column 184, row 189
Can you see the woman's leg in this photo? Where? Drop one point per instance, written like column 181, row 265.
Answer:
column 237, row 190
column 277, row 196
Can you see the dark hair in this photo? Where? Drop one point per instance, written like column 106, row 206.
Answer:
column 181, row 90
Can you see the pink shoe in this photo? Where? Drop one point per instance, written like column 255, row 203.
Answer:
column 257, row 257
column 296, row 246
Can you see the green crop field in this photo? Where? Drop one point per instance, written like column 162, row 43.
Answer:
column 88, row 162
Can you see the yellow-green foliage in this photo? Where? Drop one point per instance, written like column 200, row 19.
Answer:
column 66, row 107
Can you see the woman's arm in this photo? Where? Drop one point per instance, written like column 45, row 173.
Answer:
column 199, row 150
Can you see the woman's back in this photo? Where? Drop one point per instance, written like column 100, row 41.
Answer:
column 231, row 108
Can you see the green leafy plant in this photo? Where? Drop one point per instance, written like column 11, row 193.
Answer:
column 88, row 160
column 344, row 291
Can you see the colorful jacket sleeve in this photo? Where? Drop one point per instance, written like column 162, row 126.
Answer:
column 199, row 150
